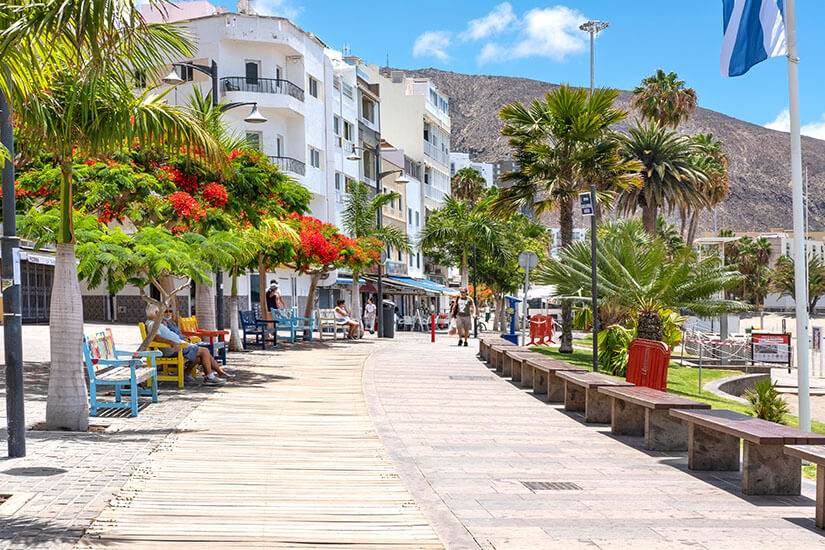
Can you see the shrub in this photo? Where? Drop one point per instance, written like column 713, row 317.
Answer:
column 766, row 403
column 614, row 342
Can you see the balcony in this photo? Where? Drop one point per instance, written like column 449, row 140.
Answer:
column 268, row 93
column 433, row 151
column 289, row 164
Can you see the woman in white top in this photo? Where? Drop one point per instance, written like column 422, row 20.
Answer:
column 369, row 316
column 342, row 317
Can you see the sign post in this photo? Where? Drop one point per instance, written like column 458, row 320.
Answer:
column 527, row 260
column 588, row 204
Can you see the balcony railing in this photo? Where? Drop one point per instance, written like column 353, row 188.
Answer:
column 435, row 152
column 261, row 86
column 289, row 164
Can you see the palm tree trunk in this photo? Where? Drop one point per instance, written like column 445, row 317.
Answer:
column 311, row 298
column 67, row 407
column 355, row 296
column 649, row 213
column 465, row 271
column 205, row 306
column 500, row 312
column 566, row 230
column 694, row 224
column 235, row 343
column 262, row 288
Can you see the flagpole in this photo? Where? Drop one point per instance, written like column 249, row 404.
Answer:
column 800, row 261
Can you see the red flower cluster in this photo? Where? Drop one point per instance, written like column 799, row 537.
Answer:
column 186, row 207
column 215, row 194
column 187, row 182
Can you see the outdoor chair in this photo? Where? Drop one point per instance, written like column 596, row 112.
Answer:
column 171, row 368
column 326, row 319
column 213, row 340
column 260, row 329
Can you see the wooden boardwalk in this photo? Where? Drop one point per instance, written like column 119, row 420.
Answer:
column 290, row 459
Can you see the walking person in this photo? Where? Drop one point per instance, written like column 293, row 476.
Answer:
column 369, row 316
column 463, row 311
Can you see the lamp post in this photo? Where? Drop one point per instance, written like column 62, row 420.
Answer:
column 379, row 175
column 12, row 304
column 255, row 117
column 593, row 28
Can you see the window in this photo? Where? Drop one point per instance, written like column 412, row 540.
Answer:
column 252, row 69
column 409, row 259
column 409, row 215
column 339, row 187
column 368, row 109
column 254, row 140
column 336, row 125
column 399, row 255
column 336, row 83
column 348, row 131
column 347, row 90
column 434, row 98
column 418, row 260
column 400, row 204
column 417, row 222
column 279, row 146
column 313, row 87
column 314, row 157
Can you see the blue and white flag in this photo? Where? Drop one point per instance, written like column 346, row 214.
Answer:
column 754, row 31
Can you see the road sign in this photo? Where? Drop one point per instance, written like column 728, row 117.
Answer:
column 528, row 260
column 586, row 204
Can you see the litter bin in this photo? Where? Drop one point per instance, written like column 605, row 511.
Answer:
column 388, row 319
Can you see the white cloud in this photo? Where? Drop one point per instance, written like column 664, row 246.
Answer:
column 279, row 8
column 544, row 32
column 494, row 22
column 433, row 43
column 812, row 129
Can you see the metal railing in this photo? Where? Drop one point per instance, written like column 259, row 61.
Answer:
column 435, row 152
column 261, row 86
column 289, row 164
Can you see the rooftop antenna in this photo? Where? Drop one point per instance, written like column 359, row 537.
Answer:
column 346, row 50
column 388, row 60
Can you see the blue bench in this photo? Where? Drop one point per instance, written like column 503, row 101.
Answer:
column 260, row 329
column 108, row 366
column 293, row 324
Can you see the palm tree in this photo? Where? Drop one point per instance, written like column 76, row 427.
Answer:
column 360, row 217
column 636, row 274
column 562, row 144
column 87, row 103
column 664, row 98
column 453, row 230
column 713, row 163
column 467, row 184
column 782, row 279
column 669, row 177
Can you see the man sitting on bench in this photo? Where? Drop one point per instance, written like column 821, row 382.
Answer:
column 194, row 355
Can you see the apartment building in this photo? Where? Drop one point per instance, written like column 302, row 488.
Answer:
column 462, row 160
column 500, row 168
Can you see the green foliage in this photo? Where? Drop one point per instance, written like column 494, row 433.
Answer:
column 663, row 97
column 614, row 342
column 782, row 279
column 766, row 403
column 360, row 216
column 467, row 184
column 672, row 324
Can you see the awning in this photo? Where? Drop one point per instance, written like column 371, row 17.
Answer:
column 419, row 285
column 343, row 280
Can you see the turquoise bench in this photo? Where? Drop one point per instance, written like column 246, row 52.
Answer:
column 108, row 366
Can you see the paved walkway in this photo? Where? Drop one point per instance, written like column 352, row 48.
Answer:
column 291, row 462
column 464, row 440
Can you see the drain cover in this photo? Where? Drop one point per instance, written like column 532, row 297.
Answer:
column 464, row 377
column 551, row 485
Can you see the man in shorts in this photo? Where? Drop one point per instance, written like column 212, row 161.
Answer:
column 464, row 309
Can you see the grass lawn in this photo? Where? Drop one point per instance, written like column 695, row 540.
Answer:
column 684, row 381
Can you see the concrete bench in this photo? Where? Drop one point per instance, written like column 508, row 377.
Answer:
column 637, row 410
column 511, row 361
column 581, row 393
column 816, row 455
column 542, row 373
column 713, row 444
column 497, row 354
column 484, row 344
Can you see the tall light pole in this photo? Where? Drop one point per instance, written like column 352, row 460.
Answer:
column 255, row 117
column 379, row 175
column 593, row 28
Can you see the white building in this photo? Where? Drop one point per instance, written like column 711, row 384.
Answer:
column 462, row 160
column 579, row 234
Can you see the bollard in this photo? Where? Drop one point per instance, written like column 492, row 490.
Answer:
column 432, row 327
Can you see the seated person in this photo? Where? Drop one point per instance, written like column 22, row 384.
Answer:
column 342, row 317
column 194, row 355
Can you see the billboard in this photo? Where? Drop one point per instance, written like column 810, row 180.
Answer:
column 771, row 348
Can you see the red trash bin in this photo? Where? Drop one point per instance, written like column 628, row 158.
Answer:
column 647, row 363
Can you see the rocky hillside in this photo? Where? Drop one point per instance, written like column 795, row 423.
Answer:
column 760, row 197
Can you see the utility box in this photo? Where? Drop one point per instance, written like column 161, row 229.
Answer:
column 647, row 363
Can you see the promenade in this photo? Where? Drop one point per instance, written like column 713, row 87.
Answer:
column 373, row 444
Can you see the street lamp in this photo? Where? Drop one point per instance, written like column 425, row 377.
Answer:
column 593, row 28
column 379, row 175
column 255, row 117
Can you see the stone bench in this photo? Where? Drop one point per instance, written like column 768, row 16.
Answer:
column 497, row 354
column 581, row 393
column 713, row 444
column 512, row 359
column 637, row 410
column 484, row 344
column 816, row 455
column 542, row 374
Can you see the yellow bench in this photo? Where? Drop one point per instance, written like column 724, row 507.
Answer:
column 169, row 368
column 213, row 340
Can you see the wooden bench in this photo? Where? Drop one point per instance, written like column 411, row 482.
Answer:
column 541, row 373
column 581, row 393
column 172, row 367
column 713, row 444
column 637, row 410
column 327, row 319
column 497, row 354
column 108, row 366
column 213, row 340
column 816, row 455
column 511, row 361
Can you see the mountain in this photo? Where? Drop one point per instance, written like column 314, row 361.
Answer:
column 760, row 197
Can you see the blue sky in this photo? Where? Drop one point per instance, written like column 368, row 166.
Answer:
column 541, row 41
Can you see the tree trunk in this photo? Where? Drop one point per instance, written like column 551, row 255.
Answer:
column 649, row 325
column 501, row 312
column 168, row 285
column 311, row 298
column 205, row 306
column 694, row 224
column 566, row 230
column 649, row 213
column 355, row 296
column 235, row 343
column 465, row 275
column 262, row 288
column 67, row 407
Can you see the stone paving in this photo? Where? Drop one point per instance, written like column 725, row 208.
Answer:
column 464, row 440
